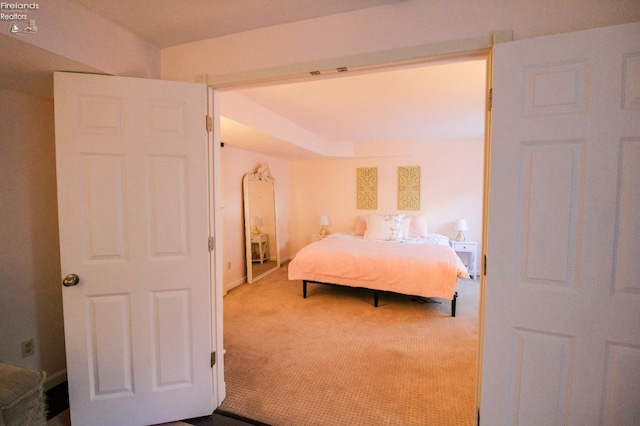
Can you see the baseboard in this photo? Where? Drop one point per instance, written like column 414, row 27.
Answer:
column 55, row 379
column 243, row 280
column 236, row 283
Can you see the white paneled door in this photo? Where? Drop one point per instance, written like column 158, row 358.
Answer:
column 133, row 200
column 562, row 314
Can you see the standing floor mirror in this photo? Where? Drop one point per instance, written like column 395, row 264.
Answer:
column 261, row 236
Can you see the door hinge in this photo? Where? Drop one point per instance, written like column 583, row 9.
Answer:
column 211, row 243
column 484, row 265
column 490, row 99
column 209, row 124
column 213, row 359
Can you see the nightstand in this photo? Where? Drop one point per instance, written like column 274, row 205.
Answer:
column 318, row 237
column 468, row 253
column 259, row 248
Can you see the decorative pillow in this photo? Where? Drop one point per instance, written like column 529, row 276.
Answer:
column 361, row 225
column 406, row 227
column 418, row 226
column 384, row 227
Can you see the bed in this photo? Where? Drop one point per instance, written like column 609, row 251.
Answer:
column 424, row 266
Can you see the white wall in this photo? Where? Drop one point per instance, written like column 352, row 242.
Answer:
column 403, row 24
column 235, row 164
column 451, row 188
column 31, row 301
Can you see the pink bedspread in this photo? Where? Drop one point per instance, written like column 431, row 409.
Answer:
column 428, row 270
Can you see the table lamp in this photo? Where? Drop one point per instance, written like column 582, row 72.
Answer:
column 324, row 222
column 461, row 225
column 255, row 222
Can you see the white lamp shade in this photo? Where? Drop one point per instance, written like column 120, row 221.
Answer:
column 256, row 220
column 461, row 225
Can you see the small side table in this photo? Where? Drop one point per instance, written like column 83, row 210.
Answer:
column 468, row 253
column 318, row 237
column 259, row 248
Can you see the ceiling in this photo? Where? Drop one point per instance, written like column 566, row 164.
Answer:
column 434, row 101
column 417, row 104
column 167, row 23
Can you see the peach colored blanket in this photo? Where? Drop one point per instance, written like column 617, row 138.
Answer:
column 427, row 270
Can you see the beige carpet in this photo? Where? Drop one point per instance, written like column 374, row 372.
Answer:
column 334, row 359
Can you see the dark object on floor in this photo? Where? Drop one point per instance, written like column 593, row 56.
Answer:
column 57, row 399
column 223, row 418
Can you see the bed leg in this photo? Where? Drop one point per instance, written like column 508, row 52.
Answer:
column 453, row 304
column 304, row 289
column 375, row 298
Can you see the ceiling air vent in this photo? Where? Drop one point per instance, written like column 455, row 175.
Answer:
column 314, row 72
column 342, row 69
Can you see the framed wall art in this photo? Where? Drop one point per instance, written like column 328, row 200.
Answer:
column 409, row 188
column 367, row 188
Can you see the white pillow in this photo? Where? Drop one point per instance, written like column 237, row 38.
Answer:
column 406, row 227
column 384, row 227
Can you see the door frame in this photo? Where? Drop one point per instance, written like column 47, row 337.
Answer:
column 215, row 244
column 387, row 60
column 485, row 225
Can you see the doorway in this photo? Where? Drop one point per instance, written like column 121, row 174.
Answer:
column 296, row 241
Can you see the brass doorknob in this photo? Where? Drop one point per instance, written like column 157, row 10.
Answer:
column 70, row 280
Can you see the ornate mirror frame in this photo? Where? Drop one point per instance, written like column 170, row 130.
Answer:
column 260, row 223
